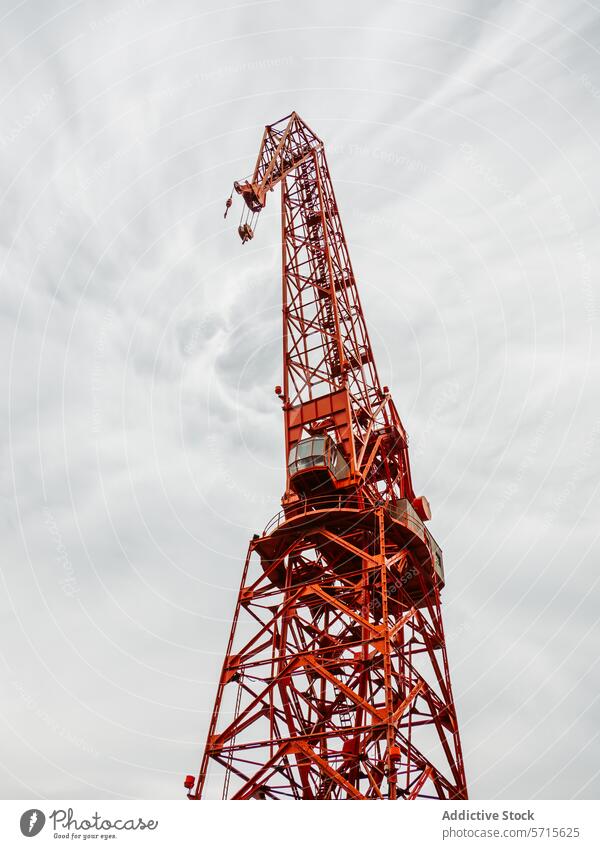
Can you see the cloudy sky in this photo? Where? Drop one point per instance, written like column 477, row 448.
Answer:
column 141, row 440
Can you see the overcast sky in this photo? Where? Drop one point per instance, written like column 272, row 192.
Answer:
column 140, row 343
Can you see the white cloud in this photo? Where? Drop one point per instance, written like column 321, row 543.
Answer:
column 142, row 439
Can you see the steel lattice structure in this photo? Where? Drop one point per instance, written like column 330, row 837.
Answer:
column 335, row 683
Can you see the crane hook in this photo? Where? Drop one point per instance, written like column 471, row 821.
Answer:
column 246, row 233
column 228, row 203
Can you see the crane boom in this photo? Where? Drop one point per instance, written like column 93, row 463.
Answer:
column 330, row 381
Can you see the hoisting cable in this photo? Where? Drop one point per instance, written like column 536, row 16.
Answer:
column 228, row 203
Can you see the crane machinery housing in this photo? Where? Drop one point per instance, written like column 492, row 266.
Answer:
column 335, row 683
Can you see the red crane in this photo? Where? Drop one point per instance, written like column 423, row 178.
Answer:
column 335, row 683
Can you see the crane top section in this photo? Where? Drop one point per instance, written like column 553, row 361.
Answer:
column 342, row 429
column 285, row 145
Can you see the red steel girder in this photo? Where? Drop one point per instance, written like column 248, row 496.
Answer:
column 332, row 666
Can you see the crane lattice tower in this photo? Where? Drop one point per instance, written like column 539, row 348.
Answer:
column 335, row 683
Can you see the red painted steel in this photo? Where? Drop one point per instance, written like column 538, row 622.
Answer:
column 335, row 683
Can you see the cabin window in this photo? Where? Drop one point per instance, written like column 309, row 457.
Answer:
column 316, row 452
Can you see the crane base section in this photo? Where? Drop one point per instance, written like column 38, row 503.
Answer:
column 336, row 673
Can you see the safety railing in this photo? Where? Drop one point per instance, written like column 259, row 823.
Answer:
column 320, row 504
column 402, row 512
